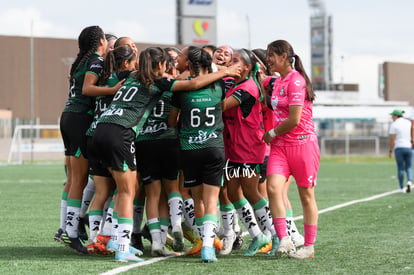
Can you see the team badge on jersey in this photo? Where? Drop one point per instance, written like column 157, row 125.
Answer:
column 282, row 91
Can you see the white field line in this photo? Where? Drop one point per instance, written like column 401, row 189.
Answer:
column 351, row 203
column 154, row 260
column 128, row 267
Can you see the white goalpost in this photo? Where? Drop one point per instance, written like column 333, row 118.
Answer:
column 36, row 142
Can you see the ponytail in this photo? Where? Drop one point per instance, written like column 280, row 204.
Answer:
column 114, row 60
column 297, row 64
column 282, row 46
column 109, row 65
column 250, row 59
column 148, row 63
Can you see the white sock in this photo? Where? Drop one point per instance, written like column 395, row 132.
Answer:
column 124, row 233
column 291, row 226
column 227, row 218
column 189, row 213
column 72, row 221
column 209, row 233
column 87, row 196
column 63, row 210
column 154, row 226
column 164, row 231
column 114, row 229
column 264, row 219
column 175, row 205
column 95, row 219
column 236, row 226
column 199, row 228
column 246, row 214
column 105, row 211
column 106, row 227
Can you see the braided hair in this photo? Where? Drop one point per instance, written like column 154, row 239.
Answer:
column 199, row 59
column 88, row 43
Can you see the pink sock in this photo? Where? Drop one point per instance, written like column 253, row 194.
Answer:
column 310, row 233
column 280, row 227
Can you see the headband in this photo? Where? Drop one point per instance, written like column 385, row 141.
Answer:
column 226, row 48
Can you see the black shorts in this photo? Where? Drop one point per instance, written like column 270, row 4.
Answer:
column 203, row 166
column 73, row 127
column 263, row 170
column 115, row 146
column 157, row 159
column 96, row 167
column 235, row 170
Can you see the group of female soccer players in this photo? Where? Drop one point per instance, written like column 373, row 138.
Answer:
column 186, row 133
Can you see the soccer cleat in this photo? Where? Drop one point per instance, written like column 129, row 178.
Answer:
column 208, row 254
column 238, row 243
column 218, row 244
column 177, row 233
column 76, row 245
column 266, row 248
column 285, row 246
column 303, row 253
column 258, row 242
column 146, row 233
column 58, row 236
column 136, row 241
column 82, row 228
column 195, row 250
column 126, row 257
column 227, row 244
column 65, row 239
column 297, row 239
column 188, row 233
column 91, row 248
column 103, row 239
column 169, row 242
column 163, row 251
column 275, row 244
column 135, row 251
column 408, row 190
column 100, row 248
column 111, row 246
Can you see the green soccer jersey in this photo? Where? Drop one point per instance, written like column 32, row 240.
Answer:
column 102, row 102
column 131, row 105
column 77, row 102
column 156, row 127
column 201, row 117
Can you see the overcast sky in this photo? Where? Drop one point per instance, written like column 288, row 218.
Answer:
column 365, row 32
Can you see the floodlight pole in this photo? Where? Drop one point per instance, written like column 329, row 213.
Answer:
column 31, row 90
column 179, row 37
column 248, row 32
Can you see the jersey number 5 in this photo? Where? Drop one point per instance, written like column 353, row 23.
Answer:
column 196, row 118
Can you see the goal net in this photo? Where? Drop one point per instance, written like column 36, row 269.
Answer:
column 36, row 142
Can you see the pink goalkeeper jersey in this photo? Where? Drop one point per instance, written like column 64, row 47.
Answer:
column 243, row 135
column 291, row 91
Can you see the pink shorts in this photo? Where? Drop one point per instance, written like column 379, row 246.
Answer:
column 300, row 161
